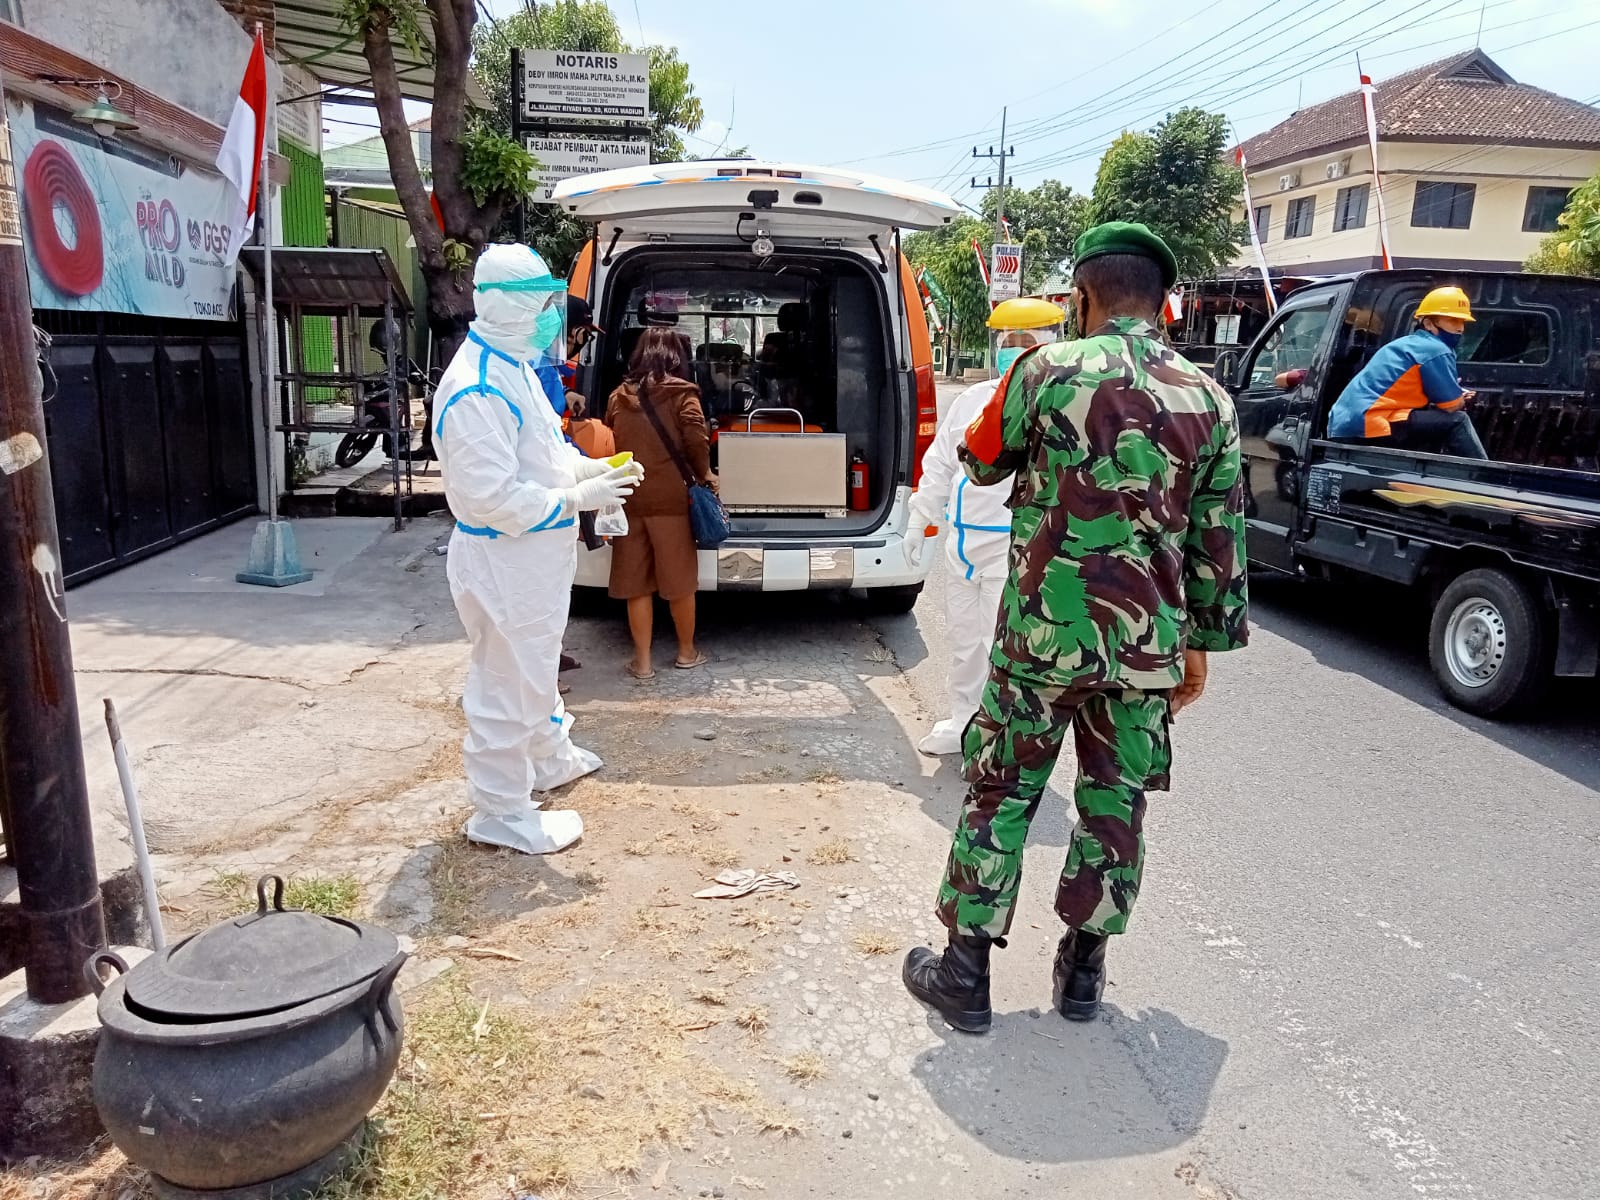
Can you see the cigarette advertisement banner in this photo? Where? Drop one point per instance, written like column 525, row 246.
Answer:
column 113, row 226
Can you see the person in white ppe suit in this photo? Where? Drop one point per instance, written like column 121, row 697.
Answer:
column 516, row 486
column 979, row 539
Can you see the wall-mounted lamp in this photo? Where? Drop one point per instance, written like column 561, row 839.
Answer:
column 104, row 117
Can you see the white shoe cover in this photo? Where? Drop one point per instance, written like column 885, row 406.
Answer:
column 565, row 765
column 943, row 738
column 536, row 833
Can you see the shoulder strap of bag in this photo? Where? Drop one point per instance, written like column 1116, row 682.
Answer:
column 666, row 440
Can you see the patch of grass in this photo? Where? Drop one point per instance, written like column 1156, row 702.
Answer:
column 805, row 1068
column 831, row 854
column 823, row 775
column 715, row 997
column 752, row 1020
column 640, row 849
column 779, row 1121
column 718, row 857
column 758, row 920
column 873, row 942
column 483, row 1102
column 336, row 897
column 588, row 877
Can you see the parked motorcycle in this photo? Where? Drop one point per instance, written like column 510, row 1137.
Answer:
column 376, row 416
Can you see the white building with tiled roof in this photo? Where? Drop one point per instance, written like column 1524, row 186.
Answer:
column 1475, row 169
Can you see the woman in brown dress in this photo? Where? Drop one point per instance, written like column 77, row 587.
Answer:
column 658, row 554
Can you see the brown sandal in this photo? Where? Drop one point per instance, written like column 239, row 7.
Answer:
column 628, row 667
column 700, row 660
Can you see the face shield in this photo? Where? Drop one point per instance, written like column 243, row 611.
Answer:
column 522, row 308
column 1017, row 326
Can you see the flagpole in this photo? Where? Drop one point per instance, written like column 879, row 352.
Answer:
column 269, row 322
column 1255, row 234
column 1369, row 105
column 274, row 559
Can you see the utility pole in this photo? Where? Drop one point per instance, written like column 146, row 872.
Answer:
column 46, row 799
column 1000, row 208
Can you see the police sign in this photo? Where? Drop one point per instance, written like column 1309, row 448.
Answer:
column 1005, row 273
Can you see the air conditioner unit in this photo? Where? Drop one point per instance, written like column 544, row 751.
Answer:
column 1288, row 182
column 1339, row 168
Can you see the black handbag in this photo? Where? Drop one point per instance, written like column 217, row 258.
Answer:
column 708, row 519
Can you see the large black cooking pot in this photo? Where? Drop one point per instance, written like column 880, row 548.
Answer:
column 250, row 1052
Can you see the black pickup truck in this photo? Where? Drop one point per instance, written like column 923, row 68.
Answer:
column 1508, row 550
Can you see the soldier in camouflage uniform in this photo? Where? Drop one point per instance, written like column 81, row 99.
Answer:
column 1126, row 567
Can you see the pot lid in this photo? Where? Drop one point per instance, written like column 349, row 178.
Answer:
column 266, row 961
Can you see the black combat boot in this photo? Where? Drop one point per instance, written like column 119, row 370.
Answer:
column 956, row 983
column 1080, row 974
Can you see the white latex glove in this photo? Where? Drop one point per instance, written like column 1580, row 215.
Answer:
column 591, row 468
column 918, row 517
column 915, row 545
column 612, row 485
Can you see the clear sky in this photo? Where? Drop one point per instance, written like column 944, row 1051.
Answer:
column 905, row 87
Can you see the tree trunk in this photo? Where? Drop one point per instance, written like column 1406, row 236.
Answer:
column 449, row 310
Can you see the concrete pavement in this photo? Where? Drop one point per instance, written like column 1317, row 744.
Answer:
column 1362, row 965
column 1366, row 921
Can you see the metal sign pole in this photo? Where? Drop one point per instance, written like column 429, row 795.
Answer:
column 41, row 752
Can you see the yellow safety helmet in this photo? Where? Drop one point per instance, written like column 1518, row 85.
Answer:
column 1025, row 312
column 1445, row 302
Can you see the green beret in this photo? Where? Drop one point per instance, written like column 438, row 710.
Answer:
column 1126, row 237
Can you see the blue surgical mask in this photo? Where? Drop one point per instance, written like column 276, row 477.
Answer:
column 1449, row 339
column 1003, row 358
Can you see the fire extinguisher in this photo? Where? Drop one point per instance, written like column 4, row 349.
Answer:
column 859, row 489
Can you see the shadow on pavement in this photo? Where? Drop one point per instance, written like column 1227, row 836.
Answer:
column 1380, row 633
column 1041, row 1089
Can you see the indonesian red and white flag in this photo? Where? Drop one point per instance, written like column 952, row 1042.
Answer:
column 1369, row 105
column 1172, row 311
column 239, row 160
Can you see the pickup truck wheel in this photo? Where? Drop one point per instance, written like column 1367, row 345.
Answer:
column 1488, row 643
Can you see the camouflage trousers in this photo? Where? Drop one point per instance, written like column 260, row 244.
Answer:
column 1010, row 748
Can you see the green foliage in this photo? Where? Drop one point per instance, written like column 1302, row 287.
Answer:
column 405, row 17
column 673, row 104
column 1046, row 220
column 1574, row 249
column 583, row 25
column 947, row 255
column 1177, row 180
column 495, row 167
column 587, row 25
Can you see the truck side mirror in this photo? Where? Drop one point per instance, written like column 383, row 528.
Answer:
column 1226, row 368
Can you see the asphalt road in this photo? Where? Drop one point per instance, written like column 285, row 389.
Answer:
column 1364, row 962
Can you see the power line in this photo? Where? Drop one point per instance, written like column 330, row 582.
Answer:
column 1214, row 98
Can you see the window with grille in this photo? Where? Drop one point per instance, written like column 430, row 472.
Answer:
column 1263, row 219
column 1350, row 207
column 1545, row 205
column 1443, row 205
column 1302, row 215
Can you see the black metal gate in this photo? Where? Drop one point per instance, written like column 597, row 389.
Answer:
column 150, row 437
